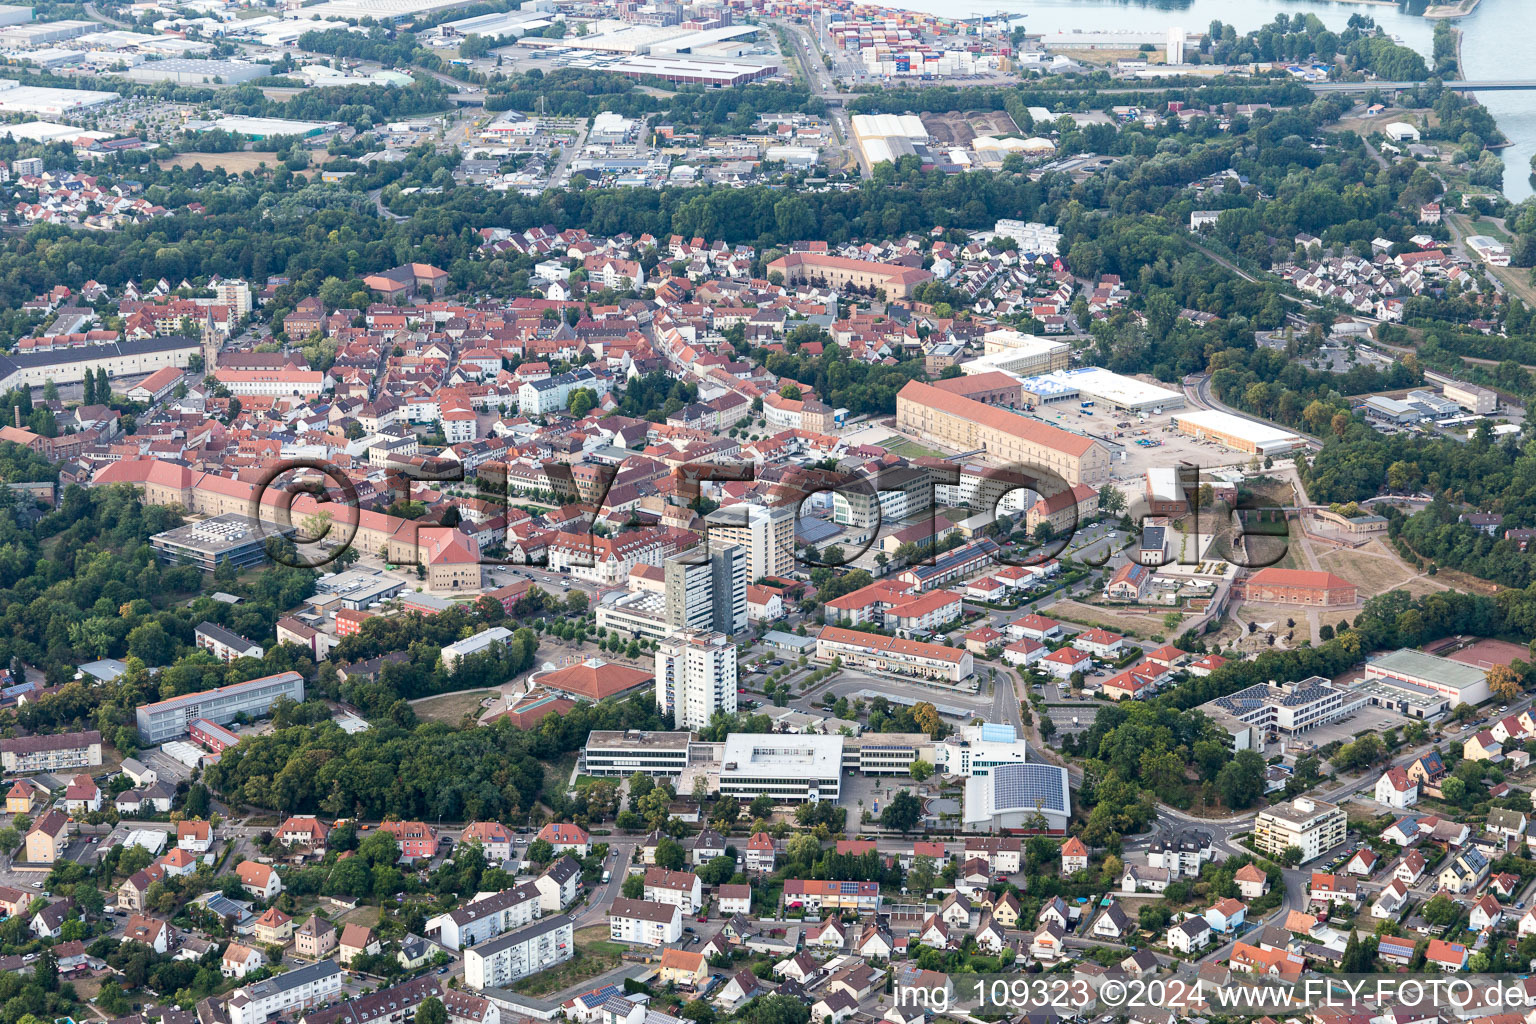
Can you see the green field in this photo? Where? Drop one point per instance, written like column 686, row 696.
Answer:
column 908, row 449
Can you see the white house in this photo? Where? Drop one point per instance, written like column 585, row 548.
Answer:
column 1396, row 789
column 1390, row 903
column 1486, row 914
column 1189, row 935
column 1226, row 915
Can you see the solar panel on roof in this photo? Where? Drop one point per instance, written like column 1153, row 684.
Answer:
column 1028, row 785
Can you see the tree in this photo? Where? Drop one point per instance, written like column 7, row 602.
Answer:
column 1441, row 910
column 1290, row 856
column 921, row 878
column 1112, row 499
column 1503, row 683
column 1454, row 789
column 541, row 851
column 669, row 854
column 790, row 391
column 1241, row 781
column 919, row 769
column 431, row 1011
column 903, row 812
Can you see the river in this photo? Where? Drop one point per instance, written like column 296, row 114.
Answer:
column 1493, row 45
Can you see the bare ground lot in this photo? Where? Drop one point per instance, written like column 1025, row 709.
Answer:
column 1120, row 620
column 237, row 162
column 959, row 128
column 1375, row 569
column 1487, row 653
column 451, row 708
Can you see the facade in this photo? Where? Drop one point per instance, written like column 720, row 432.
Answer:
column 486, row 917
column 1258, row 714
column 1459, row 683
column 1312, row 826
column 53, row 753
column 621, row 754
column 171, row 719
column 538, row 947
column 279, row 995
column 644, row 923
column 709, row 594
column 787, row 768
column 681, row 889
column 225, row 645
column 967, row 425
column 894, row 655
column 1298, row 587
column 119, row 359
column 767, row 532
column 486, row 640
column 842, row 273
column 818, row 894
column 696, row 676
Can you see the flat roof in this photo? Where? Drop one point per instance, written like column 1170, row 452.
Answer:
column 1236, row 426
column 1398, row 690
column 1104, row 384
column 619, row 740
column 1439, row 670
column 784, row 755
column 1300, row 810
column 219, row 534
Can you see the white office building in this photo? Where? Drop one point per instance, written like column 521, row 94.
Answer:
column 791, row 769
column 695, row 677
column 618, row 755
column 538, row 947
column 973, row 751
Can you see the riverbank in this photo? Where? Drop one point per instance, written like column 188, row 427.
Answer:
column 1457, row 10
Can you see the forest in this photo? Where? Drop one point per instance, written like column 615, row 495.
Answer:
column 427, row 771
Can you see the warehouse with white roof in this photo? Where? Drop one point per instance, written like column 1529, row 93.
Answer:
column 1235, row 432
column 1093, row 383
column 888, row 136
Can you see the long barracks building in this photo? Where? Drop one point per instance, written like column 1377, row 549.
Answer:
column 1009, row 437
column 447, row 554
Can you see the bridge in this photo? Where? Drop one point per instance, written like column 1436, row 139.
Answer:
column 1489, row 85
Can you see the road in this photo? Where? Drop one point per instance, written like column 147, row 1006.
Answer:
column 94, row 13
column 1199, row 392
column 819, row 81
column 595, row 911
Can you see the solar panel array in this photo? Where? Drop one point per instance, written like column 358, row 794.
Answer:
column 1245, row 700
column 1029, row 785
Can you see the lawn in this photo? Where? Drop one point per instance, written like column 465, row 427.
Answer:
column 910, row 449
column 595, row 954
column 451, row 707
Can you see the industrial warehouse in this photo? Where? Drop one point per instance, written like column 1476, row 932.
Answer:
column 1094, row 384
column 1235, row 432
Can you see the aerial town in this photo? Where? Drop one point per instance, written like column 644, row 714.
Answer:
column 766, row 512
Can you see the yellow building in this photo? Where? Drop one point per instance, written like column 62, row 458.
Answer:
column 681, row 967
column 48, row 838
column 1009, row 438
